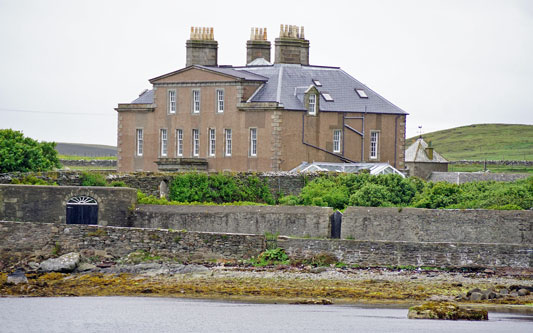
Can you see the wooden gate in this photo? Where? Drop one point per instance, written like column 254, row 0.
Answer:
column 82, row 210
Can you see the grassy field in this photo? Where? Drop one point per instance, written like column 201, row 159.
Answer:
column 483, row 141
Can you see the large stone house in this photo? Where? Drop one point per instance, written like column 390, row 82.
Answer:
column 258, row 117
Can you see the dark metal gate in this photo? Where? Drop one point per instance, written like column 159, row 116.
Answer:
column 336, row 222
column 82, row 210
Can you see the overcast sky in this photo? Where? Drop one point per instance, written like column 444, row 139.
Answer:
column 64, row 65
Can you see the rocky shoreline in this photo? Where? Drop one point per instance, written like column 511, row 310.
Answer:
column 500, row 290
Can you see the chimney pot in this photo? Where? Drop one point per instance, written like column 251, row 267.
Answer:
column 202, row 48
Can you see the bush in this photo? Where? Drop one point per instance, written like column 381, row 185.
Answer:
column 289, row 200
column 92, row 179
column 371, row 195
column 117, row 183
column 325, row 191
column 218, row 188
column 275, row 256
column 18, row 153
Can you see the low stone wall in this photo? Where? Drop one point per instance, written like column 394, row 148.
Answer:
column 22, row 240
column 111, row 164
column 376, row 253
column 438, row 225
column 283, row 220
column 148, row 182
column 467, row 177
column 48, row 204
column 493, row 162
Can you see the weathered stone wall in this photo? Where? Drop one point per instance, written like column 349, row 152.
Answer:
column 466, row 177
column 47, row 204
column 283, row 220
column 22, row 240
column 148, row 182
column 379, row 253
column 111, row 164
column 503, row 162
column 438, row 225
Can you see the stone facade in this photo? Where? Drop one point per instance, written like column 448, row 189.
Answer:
column 438, row 225
column 48, row 204
column 283, row 220
column 183, row 119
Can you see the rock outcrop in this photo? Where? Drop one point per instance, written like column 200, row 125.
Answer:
column 64, row 264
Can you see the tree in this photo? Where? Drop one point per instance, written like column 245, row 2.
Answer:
column 18, row 153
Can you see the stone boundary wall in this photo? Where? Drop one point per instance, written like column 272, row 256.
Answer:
column 48, row 204
column 492, row 162
column 283, row 220
column 148, row 182
column 112, row 164
column 380, row 253
column 467, row 177
column 22, row 240
column 438, row 225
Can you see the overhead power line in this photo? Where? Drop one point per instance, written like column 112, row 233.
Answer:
column 56, row 112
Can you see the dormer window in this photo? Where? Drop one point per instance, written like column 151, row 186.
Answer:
column 317, row 83
column 327, row 97
column 311, row 106
column 361, row 93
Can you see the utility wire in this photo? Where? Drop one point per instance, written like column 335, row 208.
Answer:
column 56, row 112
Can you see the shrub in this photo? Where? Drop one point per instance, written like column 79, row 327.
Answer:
column 19, row 153
column 118, row 183
column 327, row 191
column 275, row 256
column 92, row 179
column 371, row 195
column 439, row 195
column 289, row 200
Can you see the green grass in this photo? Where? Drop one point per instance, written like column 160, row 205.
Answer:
column 483, row 141
column 86, row 158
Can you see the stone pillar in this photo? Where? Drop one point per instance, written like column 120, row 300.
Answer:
column 258, row 46
column 202, row 49
column 291, row 46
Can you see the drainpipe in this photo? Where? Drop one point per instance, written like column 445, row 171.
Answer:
column 395, row 138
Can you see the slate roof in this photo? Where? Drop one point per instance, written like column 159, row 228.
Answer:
column 146, row 97
column 287, row 84
column 417, row 153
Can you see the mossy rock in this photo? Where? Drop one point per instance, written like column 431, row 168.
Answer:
column 446, row 311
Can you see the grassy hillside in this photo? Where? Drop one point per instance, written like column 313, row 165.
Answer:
column 483, row 141
column 81, row 149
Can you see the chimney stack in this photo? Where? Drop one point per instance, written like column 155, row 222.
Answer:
column 202, row 48
column 258, row 46
column 291, row 46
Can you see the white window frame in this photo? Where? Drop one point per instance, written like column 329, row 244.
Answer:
column 337, row 139
column 196, row 101
column 164, row 142
column 171, row 101
column 139, row 139
column 220, row 100
column 179, row 142
column 228, row 144
column 195, row 142
column 311, row 107
column 374, row 145
column 212, row 142
column 253, row 141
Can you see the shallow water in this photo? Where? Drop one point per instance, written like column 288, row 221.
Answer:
column 143, row 314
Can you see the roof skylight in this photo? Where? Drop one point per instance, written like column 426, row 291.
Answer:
column 317, row 83
column 327, row 97
column 361, row 93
